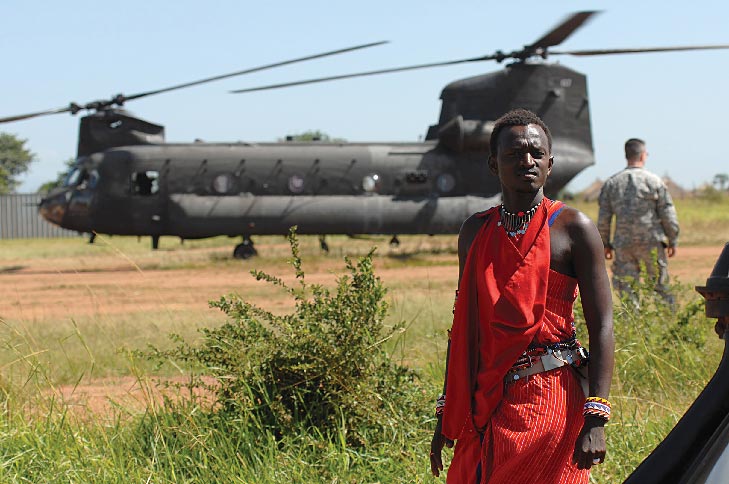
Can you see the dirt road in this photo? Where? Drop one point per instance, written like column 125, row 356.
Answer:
column 44, row 289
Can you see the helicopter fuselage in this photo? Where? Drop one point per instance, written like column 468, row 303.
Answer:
column 129, row 181
column 202, row 190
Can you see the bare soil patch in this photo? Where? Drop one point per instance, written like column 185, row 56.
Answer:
column 31, row 295
column 37, row 292
column 99, row 398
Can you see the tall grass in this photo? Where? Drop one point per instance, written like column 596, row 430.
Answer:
column 663, row 360
column 664, row 357
column 704, row 219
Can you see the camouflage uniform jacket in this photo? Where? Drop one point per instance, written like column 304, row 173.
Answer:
column 643, row 209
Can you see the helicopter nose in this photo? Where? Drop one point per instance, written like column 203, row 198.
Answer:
column 53, row 207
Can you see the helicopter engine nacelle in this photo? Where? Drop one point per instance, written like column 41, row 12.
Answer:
column 115, row 127
column 466, row 135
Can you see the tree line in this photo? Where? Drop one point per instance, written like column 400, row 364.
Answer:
column 15, row 159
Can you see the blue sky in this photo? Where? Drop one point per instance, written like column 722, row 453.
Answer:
column 58, row 52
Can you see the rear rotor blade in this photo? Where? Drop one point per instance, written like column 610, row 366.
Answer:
column 637, row 51
column 553, row 37
column 563, row 30
column 254, row 69
column 367, row 73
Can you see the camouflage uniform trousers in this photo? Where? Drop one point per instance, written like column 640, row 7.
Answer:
column 627, row 268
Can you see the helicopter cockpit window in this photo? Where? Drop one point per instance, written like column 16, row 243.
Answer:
column 145, row 183
column 81, row 178
column 223, row 183
column 73, row 178
column 93, row 179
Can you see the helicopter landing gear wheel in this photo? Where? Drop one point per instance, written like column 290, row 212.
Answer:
column 245, row 249
column 394, row 241
column 323, row 244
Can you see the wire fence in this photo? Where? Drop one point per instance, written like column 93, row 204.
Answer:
column 19, row 219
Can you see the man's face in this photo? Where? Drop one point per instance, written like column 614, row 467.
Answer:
column 523, row 161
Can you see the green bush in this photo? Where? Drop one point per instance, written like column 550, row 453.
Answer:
column 323, row 366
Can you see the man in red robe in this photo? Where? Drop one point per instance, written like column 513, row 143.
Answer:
column 520, row 266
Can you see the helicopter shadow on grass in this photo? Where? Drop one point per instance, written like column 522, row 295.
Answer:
column 416, row 254
column 11, row 269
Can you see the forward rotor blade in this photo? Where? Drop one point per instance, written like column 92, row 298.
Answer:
column 637, row 51
column 563, row 30
column 20, row 117
column 254, row 69
column 366, row 73
column 121, row 99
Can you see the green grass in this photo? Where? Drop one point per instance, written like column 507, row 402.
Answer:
column 703, row 220
column 663, row 360
column 172, row 252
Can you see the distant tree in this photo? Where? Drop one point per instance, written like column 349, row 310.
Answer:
column 313, row 135
column 721, row 180
column 14, row 161
column 60, row 178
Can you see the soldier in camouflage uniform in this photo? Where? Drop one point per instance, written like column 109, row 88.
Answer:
column 646, row 226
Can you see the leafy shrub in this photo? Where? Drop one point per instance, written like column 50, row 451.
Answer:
column 322, row 366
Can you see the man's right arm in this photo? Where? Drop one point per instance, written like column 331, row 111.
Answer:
column 466, row 235
column 604, row 220
column 667, row 216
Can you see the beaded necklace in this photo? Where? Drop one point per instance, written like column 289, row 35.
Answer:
column 517, row 223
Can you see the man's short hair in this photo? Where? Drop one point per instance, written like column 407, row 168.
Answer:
column 634, row 147
column 517, row 117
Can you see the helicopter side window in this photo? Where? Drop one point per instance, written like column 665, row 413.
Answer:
column 145, row 183
column 223, row 184
column 371, row 183
column 445, row 182
column 296, row 184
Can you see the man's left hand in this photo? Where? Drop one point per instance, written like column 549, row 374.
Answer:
column 436, row 447
column 590, row 446
column 671, row 251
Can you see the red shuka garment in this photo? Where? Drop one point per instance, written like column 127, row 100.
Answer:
column 526, row 431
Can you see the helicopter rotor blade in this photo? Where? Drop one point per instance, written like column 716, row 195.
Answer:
column 554, row 37
column 637, row 51
column 251, row 70
column 120, row 99
column 564, row 29
column 368, row 73
column 47, row 112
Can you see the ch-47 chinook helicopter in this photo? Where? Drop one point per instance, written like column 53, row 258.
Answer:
column 128, row 181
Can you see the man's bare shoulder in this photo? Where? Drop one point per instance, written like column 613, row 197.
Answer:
column 471, row 225
column 576, row 224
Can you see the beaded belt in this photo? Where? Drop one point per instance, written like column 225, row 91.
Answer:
column 531, row 365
